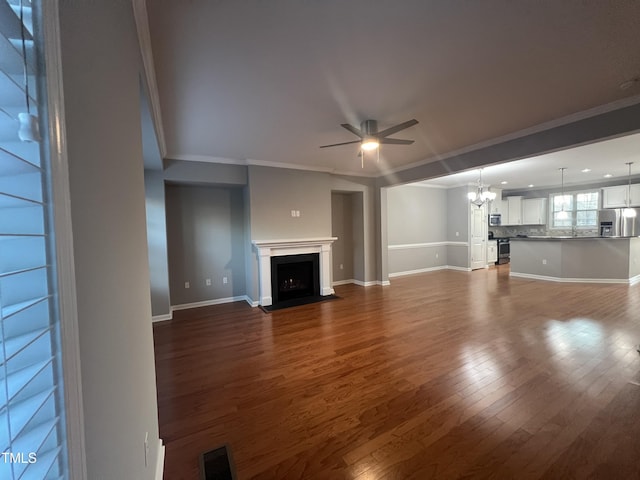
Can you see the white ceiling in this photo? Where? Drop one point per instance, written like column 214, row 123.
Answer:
column 271, row 81
column 603, row 158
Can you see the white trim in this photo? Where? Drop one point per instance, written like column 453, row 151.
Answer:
column 187, row 157
column 531, row 276
column 558, row 122
column 267, row 249
column 144, row 40
column 429, row 269
column 160, row 460
column 163, row 318
column 427, row 245
column 460, row 269
column 360, row 283
column 250, row 301
column 419, row 270
column 634, row 280
column 206, row 303
column 62, row 225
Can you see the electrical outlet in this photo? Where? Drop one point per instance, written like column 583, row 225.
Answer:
column 437, row 255
column 225, row 280
column 341, row 266
column 207, row 282
column 187, row 285
column 544, row 261
column 457, row 234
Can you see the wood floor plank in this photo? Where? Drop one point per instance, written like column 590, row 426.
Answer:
column 441, row 375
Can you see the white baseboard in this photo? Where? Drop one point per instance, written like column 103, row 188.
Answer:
column 160, row 461
column 343, row 282
column 460, row 269
column 359, row 282
column 253, row 303
column 371, row 283
column 574, row 280
column 419, row 270
column 206, row 303
column 162, row 318
column 429, row 269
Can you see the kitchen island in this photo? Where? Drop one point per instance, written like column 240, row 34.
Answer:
column 577, row 259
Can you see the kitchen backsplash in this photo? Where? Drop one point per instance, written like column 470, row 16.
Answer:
column 540, row 230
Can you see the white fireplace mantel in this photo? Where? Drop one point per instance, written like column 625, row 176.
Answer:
column 274, row 248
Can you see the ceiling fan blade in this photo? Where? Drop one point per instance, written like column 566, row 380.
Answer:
column 353, row 129
column 338, row 144
column 397, row 128
column 395, row 141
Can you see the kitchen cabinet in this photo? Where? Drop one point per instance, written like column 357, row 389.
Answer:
column 616, row 197
column 514, row 211
column 534, row 211
column 492, row 252
column 497, row 205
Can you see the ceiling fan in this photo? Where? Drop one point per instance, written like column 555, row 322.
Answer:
column 371, row 138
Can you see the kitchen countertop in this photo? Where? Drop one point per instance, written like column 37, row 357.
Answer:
column 560, row 237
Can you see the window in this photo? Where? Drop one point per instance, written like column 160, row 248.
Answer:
column 581, row 210
column 32, row 433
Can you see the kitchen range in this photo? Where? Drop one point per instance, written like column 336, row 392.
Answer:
column 503, row 246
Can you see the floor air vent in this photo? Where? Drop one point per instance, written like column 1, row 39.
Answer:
column 217, row 464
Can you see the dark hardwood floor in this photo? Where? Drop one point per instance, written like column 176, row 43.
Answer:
column 440, row 375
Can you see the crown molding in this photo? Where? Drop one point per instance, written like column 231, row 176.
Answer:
column 558, row 122
column 144, row 40
column 262, row 163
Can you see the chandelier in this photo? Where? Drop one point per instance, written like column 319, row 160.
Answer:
column 481, row 195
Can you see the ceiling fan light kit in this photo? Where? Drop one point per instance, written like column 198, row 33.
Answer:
column 371, row 138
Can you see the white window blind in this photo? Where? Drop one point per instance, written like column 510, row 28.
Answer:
column 32, row 437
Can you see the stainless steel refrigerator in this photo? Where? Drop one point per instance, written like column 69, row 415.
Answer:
column 613, row 223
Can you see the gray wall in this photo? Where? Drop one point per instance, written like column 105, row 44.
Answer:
column 458, row 222
column 364, row 224
column 101, row 73
column 205, row 173
column 157, row 242
column 416, row 215
column 594, row 258
column 274, row 192
column 634, row 257
column 206, row 241
column 342, row 226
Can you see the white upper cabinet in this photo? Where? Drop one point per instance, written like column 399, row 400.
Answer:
column 616, row 197
column 534, row 211
column 496, row 205
column 514, row 211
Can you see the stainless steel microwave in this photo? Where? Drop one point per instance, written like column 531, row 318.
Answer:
column 495, row 219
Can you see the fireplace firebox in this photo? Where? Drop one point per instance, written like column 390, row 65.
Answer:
column 295, row 279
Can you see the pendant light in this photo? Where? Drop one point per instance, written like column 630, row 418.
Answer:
column 562, row 214
column 28, row 130
column 480, row 196
column 629, row 212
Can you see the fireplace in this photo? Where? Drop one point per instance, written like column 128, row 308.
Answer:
column 269, row 251
column 295, row 279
